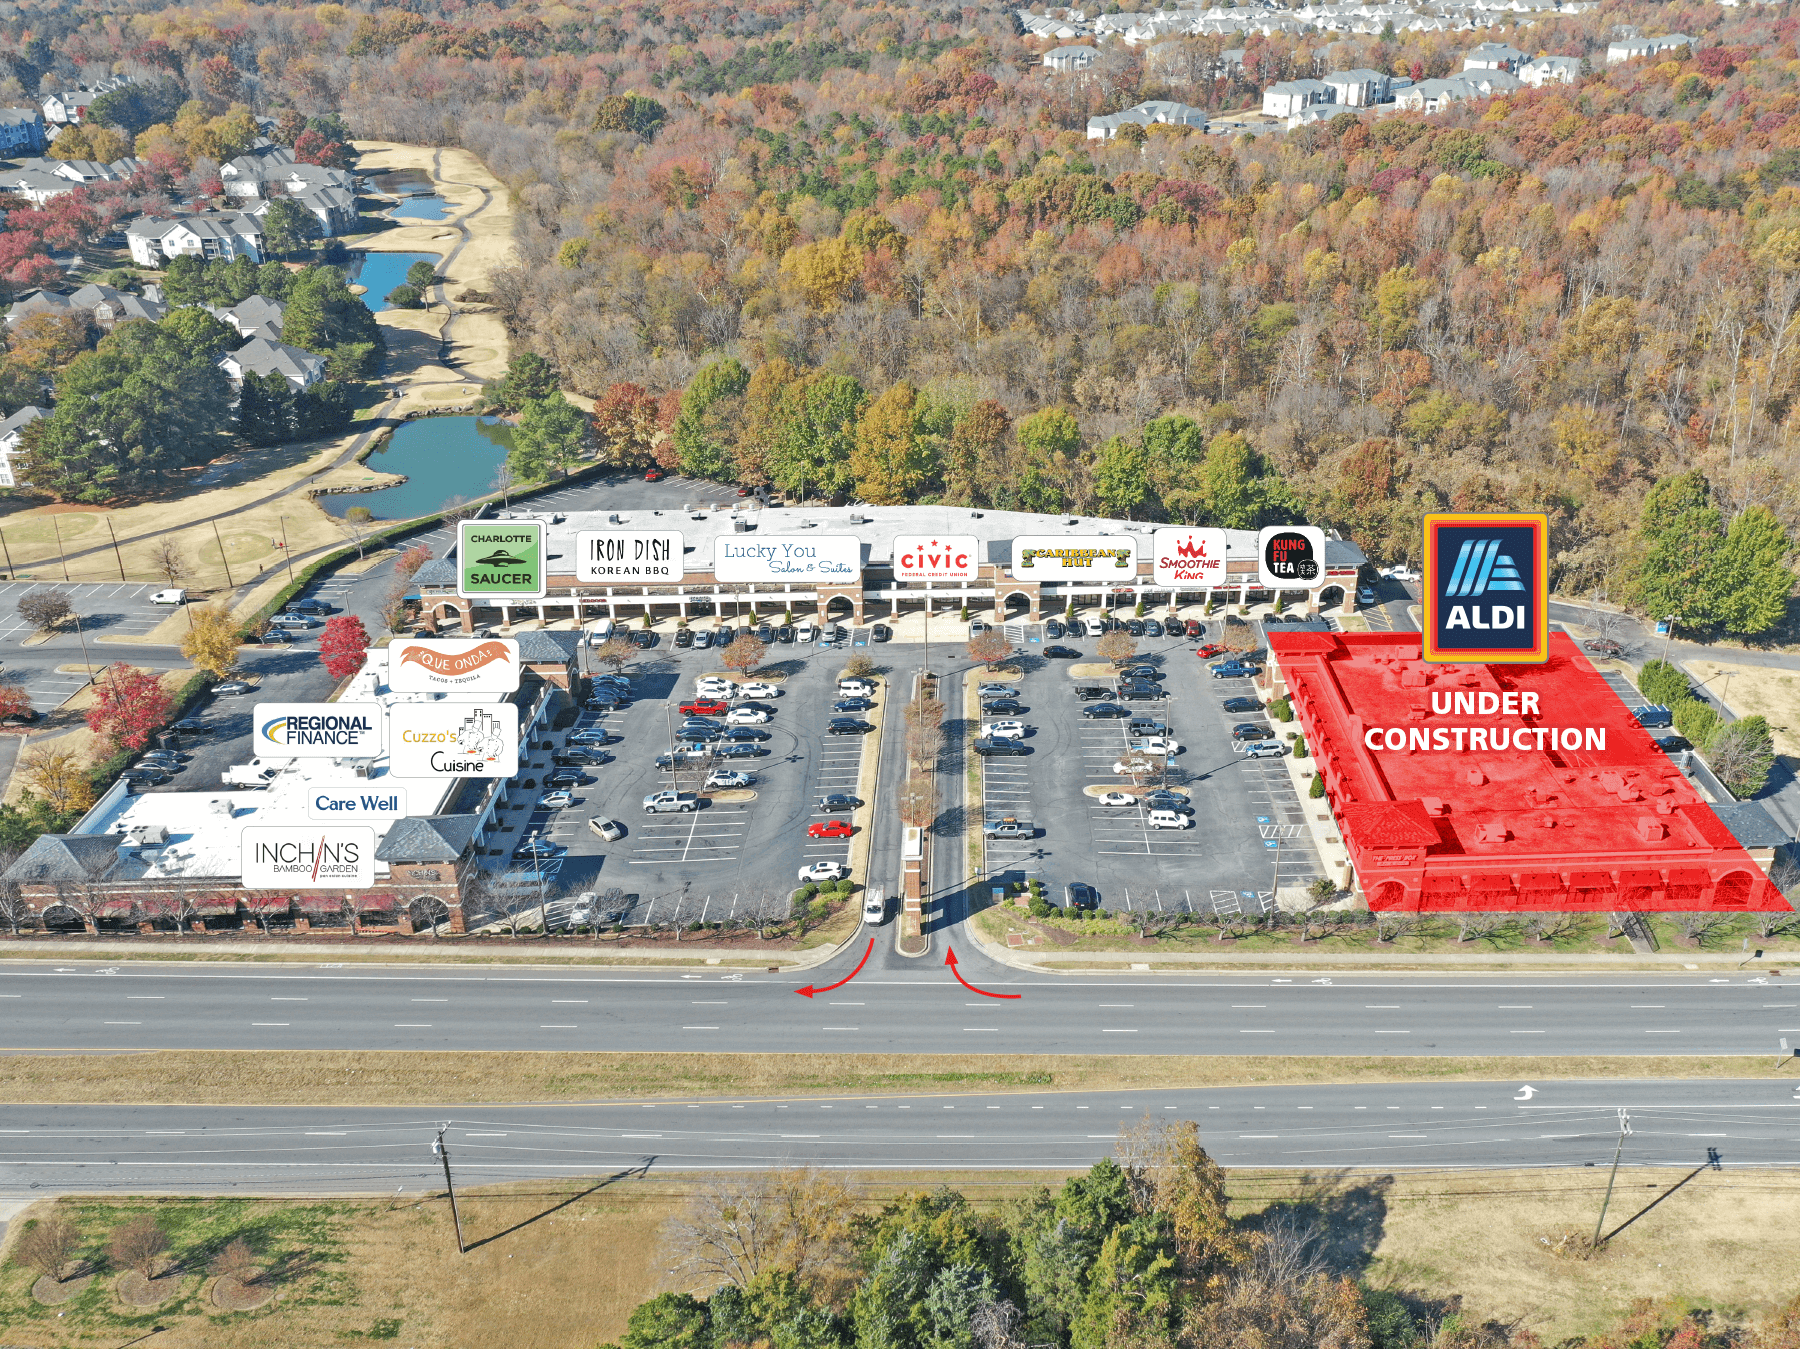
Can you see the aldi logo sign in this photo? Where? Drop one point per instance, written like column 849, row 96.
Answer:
column 1487, row 589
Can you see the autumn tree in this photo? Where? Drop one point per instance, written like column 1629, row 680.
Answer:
column 129, row 706
column 617, row 652
column 15, row 701
column 46, row 610
column 744, row 654
column 139, row 1244
column 626, row 423
column 343, row 646
column 737, row 1229
column 1170, row 1174
column 1116, row 646
column 211, row 640
column 890, row 462
column 48, row 1246
column 990, row 648
column 407, row 565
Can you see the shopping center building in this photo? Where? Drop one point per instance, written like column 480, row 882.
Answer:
column 1503, row 787
column 871, row 593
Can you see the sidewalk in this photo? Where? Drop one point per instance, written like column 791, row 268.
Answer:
column 530, row 951
column 1545, row 962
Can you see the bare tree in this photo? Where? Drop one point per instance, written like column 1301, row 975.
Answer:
column 357, row 528
column 1117, row 646
column 616, row 652
column 14, row 911
column 737, row 1227
column 234, row 1260
column 1390, row 927
column 1475, row 926
column 46, row 610
column 168, row 561
column 1698, row 927
column 995, row 1325
column 48, row 1246
column 139, row 1244
column 1550, row 926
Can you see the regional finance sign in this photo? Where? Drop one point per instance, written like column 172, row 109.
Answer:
column 1487, row 589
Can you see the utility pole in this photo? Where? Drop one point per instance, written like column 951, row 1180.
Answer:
column 284, row 550
column 1624, row 1129
column 115, row 543
column 8, row 551
column 1668, row 634
column 223, row 561
column 450, row 1185
column 59, row 548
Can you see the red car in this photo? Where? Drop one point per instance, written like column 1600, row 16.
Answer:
column 1209, row 650
column 830, row 829
column 653, row 475
column 704, row 707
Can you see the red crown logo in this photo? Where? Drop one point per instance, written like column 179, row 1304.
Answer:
column 1185, row 548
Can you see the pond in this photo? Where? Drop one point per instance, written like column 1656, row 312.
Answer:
column 423, row 207
column 381, row 272
column 447, row 460
column 403, row 182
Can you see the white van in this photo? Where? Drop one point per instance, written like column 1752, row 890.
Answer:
column 601, row 630
column 169, row 597
column 1168, row 819
column 807, row 632
column 855, row 688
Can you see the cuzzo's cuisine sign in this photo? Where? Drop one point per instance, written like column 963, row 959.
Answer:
column 440, row 740
column 1190, row 557
column 466, row 665
column 936, row 557
column 316, row 858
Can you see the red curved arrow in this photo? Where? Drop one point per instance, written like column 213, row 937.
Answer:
column 950, row 960
column 809, row 990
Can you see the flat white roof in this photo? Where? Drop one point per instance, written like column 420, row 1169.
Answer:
column 205, row 828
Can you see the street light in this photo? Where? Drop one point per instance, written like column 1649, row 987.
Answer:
column 1669, row 621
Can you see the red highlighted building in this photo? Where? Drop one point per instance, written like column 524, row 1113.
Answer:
column 1494, row 787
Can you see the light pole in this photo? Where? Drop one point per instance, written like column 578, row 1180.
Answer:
column 1668, row 634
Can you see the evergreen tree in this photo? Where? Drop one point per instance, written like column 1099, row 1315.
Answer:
column 703, row 444
column 816, row 435
column 323, row 409
column 323, row 317
column 547, row 439
column 266, row 412
column 288, row 227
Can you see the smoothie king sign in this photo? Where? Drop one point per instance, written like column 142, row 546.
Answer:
column 1190, row 557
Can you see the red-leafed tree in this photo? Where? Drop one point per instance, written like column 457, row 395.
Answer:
column 314, row 147
column 15, row 700
column 129, row 707
column 411, row 560
column 343, row 645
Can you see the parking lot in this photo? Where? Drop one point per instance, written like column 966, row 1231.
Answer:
column 1249, row 833
column 105, row 609
column 731, row 858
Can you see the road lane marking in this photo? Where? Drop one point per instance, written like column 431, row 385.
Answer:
column 699, row 1027
column 1406, row 1135
column 1257, row 1032
column 1381, row 1007
column 1662, row 1032
column 412, row 1025
column 560, row 1002
column 569, row 1026
column 121, row 1023
column 431, row 1000
column 270, row 1023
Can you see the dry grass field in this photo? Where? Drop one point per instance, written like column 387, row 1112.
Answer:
column 560, row 1265
column 225, row 1077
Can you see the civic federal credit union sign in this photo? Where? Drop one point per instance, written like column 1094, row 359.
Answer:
column 500, row 560
column 1487, row 589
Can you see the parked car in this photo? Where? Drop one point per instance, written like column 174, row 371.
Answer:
column 683, row 754
column 683, row 638
column 1088, row 692
column 880, row 633
column 1249, row 730
column 1194, row 628
column 1052, row 629
column 1143, row 726
column 566, row 777
column 1167, row 819
column 824, row 871
column 976, row 628
column 744, row 735
column 726, row 635
column 1242, row 705
column 1653, row 716
column 643, row 640
column 992, row 690
column 271, row 637
column 1672, row 744
column 662, row 803
column 853, row 705
column 1207, row 650
column 855, row 688
column 191, row 726
column 806, row 633
column 1140, row 672
column 830, row 829
column 1365, row 595
column 1008, row 828
column 757, row 689
column 653, row 475
column 1115, row 799
column 144, row 777
column 849, row 726
column 875, row 908
column 23, row 717
column 556, row 800
column 610, row 830
column 736, row 751
column 594, row 736
column 714, row 686
column 1077, row 895
column 1155, row 744
column 1061, row 653
column 728, row 779
column 169, row 597
column 1140, row 692
column 704, row 707
column 233, row 686
column 536, row 847
column 575, row 756
column 1135, row 626
column 293, row 620
column 999, row 748
column 310, row 606
column 839, row 801
column 1603, row 646
column 1002, row 707
column 1100, row 711
column 1263, row 749
column 785, row 635
column 1231, row 669
column 607, row 703
column 1004, row 730
column 1077, row 629
column 703, row 638
column 1167, row 800
column 746, row 716
column 1153, row 628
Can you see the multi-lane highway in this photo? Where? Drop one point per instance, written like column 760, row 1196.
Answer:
column 894, row 1006
column 1436, row 1125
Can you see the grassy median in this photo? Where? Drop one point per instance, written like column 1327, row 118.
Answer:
column 562, row 1263
column 219, row 1077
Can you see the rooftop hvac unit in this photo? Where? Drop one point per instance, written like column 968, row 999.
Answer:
column 740, row 525
column 148, row 835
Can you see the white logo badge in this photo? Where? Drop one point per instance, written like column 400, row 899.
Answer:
column 442, row 740
column 318, row 730
column 320, row 858
column 464, row 665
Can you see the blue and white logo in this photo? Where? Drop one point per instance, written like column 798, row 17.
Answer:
column 1481, row 567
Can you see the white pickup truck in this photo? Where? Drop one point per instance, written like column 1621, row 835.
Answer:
column 662, row 803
